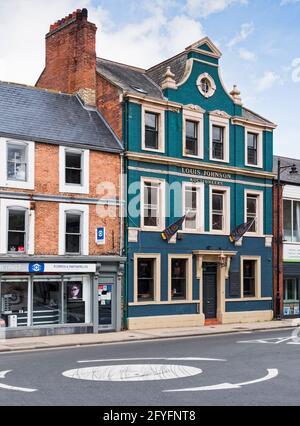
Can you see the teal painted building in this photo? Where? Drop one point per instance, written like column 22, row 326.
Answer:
column 193, row 150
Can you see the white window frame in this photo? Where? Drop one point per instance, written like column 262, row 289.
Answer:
column 189, row 277
column 260, row 208
column 220, row 122
column 258, row 271
column 161, row 206
column 8, row 183
column 161, row 128
column 200, row 207
column 84, row 188
column 259, row 134
column 85, row 237
column 226, row 190
column 157, row 277
column 6, row 205
column 198, row 118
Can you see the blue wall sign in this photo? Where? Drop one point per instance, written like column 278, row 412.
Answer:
column 36, row 267
column 100, row 235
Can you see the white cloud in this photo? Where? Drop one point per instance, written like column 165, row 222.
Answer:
column 142, row 44
column 246, row 55
column 245, row 31
column 204, row 8
column 285, row 2
column 267, row 81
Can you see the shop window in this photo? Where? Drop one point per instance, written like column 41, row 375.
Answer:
column 16, row 236
column 291, row 297
column 179, row 279
column 73, row 233
column 250, row 277
column 146, row 279
column 17, row 162
column 73, row 168
column 75, row 299
column 46, row 303
column 14, row 303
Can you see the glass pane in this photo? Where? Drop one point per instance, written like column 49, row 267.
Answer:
column 105, row 302
column 73, row 244
column 218, row 134
column 191, row 198
column 252, row 141
column 287, row 220
column 191, row 147
column 73, row 176
column 75, row 298
column 16, row 220
column 217, row 222
column 296, row 222
column 146, row 270
column 191, row 129
column 291, row 297
column 16, row 162
column 151, row 139
column 73, row 160
column 14, row 303
column 46, row 303
column 16, row 242
column 249, row 278
column 151, row 120
column 252, row 205
column 218, row 202
column 73, row 223
column 179, row 278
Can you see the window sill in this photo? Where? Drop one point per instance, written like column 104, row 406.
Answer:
column 159, row 150
column 169, row 302
column 250, row 299
column 195, row 157
column 256, row 166
column 19, row 185
column 74, row 190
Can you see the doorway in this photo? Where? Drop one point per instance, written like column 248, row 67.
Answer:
column 210, row 299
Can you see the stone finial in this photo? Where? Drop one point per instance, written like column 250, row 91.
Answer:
column 169, row 80
column 236, row 95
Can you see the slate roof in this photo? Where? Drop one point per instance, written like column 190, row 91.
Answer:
column 285, row 175
column 177, row 64
column 130, row 79
column 44, row 116
column 249, row 115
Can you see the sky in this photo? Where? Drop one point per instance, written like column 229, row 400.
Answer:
column 259, row 39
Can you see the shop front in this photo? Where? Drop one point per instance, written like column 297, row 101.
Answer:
column 60, row 298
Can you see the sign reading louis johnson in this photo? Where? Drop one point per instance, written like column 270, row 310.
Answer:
column 207, row 175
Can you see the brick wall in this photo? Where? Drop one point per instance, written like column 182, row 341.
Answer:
column 104, row 167
column 108, row 103
column 70, row 55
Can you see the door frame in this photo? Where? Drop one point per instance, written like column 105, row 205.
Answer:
column 107, row 279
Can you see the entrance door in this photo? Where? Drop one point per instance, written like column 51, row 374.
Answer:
column 210, row 273
column 106, row 304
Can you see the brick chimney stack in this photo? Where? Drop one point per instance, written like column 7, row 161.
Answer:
column 71, row 57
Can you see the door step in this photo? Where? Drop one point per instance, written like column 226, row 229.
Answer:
column 212, row 322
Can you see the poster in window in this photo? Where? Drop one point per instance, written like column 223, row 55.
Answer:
column 74, row 291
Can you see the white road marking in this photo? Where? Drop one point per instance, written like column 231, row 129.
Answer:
column 269, row 341
column 13, row 388
column 132, row 373
column 272, row 374
column 151, row 359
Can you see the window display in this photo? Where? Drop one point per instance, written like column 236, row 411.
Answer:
column 46, row 303
column 14, row 303
column 291, row 297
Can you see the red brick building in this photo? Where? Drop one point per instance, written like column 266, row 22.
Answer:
column 61, row 258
